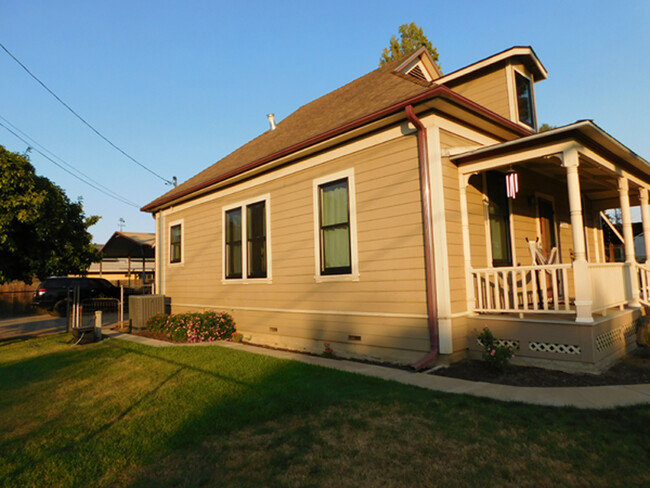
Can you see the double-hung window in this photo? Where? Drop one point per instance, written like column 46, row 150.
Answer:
column 335, row 227
column 175, row 238
column 246, row 245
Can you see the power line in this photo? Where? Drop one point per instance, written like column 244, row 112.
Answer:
column 35, row 142
column 81, row 118
column 101, row 188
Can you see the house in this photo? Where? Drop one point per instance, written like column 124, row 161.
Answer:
column 401, row 213
column 127, row 259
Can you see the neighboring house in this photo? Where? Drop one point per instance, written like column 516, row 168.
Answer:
column 127, row 259
column 376, row 218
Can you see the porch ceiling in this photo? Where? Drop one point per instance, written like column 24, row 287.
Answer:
column 602, row 161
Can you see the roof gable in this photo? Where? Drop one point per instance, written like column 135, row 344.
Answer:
column 420, row 65
column 522, row 53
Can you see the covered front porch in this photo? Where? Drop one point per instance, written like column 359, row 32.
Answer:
column 535, row 263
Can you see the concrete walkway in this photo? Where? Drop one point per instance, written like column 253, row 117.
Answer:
column 590, row 397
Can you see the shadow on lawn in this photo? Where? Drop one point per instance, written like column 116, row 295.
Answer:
column 278, row 392
column 190, row 397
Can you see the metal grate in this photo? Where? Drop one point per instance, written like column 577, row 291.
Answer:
column 571, row 349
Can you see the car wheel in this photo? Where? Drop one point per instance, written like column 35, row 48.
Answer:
column 60, row 308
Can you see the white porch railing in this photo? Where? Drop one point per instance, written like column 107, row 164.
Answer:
column 522, row 289
column 643, row 271
column 610, row 285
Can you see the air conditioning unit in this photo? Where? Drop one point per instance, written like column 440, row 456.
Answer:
column 143, row 307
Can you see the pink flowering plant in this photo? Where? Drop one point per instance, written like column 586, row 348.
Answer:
column 495, row 356
column 194, row 327
column 328, row 352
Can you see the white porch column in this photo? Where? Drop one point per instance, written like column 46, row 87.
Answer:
column 628, row 237
column 581, row 273
column 464, row 221
column 645, row 218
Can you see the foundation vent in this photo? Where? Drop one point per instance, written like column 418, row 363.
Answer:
column 570, row 349
column 503, row 342
column 610, row 338
column 629, row 330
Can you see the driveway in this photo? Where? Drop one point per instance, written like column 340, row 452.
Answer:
column 35, row 325
column 32, row 325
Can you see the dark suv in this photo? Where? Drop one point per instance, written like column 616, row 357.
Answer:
column 52, row 293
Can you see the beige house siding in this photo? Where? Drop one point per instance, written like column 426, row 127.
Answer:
column 488, row 89
column 455, row 245
column 386, row 307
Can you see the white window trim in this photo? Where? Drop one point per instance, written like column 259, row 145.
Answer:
column 354, row 258
column 266, row 198
column 180, row 222
column 512, row 95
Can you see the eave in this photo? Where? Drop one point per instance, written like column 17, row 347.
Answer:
column 438, row 98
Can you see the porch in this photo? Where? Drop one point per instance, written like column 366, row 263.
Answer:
column 539, row 272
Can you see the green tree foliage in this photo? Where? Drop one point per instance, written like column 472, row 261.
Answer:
column 42, row 233
column 544, row 127
column 411, row 38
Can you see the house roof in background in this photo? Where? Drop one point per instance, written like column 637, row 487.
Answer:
column 130, row 244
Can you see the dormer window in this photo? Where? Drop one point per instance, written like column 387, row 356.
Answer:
column 525, row 106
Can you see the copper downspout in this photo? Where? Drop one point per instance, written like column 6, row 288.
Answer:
column 429, row 253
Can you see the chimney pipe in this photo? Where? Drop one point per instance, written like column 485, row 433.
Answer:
column 272, row 121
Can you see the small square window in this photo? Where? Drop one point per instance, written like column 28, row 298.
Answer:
column 175, row 243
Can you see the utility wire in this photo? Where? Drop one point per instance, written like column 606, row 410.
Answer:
column 81, row 118
column 113, row 195
column 33, row 142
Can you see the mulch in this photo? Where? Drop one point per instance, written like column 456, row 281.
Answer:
column 631, row 370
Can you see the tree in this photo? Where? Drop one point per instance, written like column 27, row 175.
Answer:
column 544, row 127
column 411, row 38
column 42, row 233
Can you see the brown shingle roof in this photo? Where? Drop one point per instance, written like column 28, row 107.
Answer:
column 370, row 93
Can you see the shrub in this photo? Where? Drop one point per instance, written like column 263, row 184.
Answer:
column 194, row 327
column 328, row 352
column 157, row 322
column 495, row 356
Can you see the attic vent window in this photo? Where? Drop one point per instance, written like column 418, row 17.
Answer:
column 525, row 105
column 417, row 72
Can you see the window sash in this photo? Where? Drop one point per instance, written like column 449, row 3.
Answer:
column 233, row 243
column 175, row 243
column 335, row 249
column 256, row 237
column 524, row 99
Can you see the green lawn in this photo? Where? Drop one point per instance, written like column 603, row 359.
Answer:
column 121, row 414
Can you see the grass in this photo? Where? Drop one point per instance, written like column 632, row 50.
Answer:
column 121, row 414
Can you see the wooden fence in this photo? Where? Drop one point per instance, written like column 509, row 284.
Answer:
column 16, row 298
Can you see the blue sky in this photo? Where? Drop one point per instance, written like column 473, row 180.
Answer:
column 180, row 84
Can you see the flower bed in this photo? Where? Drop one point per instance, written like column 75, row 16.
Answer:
column 194, row 327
